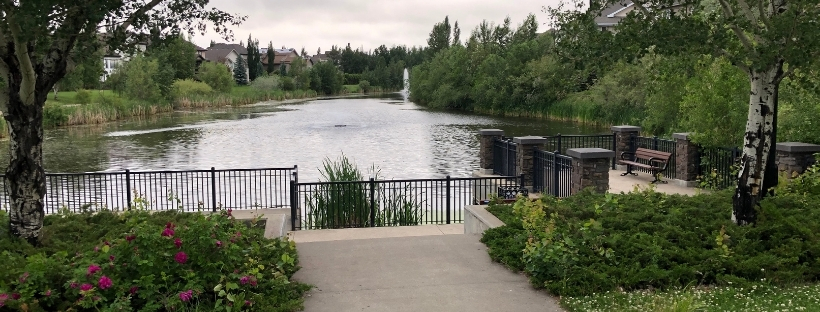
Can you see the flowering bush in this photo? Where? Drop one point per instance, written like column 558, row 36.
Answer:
column 211, row 262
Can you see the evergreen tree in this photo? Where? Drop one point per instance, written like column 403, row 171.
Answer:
column 271, row 56
column 253, row 53
column 456, row 34
column 283, row 70
column 213, row 43
column 240, row 73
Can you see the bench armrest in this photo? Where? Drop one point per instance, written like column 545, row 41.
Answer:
column 627, row 153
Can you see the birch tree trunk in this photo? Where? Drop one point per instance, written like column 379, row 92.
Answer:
column 758, row 144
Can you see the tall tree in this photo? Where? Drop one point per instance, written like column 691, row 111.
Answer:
column 439, row 37
column 251, row 62
column 271, row 56
column 37, row 41
column 240, row 71
column 456, row 34
column 767, row 39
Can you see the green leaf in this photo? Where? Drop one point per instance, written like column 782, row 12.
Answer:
column 231, row 286
column 218, row 287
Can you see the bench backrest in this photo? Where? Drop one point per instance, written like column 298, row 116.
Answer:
column 644, row 153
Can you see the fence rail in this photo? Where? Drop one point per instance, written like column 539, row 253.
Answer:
column 552, row 173
column 654, row 143
column 327, row 205
column 561, row 143
column 715, row 167
column 191, row 190
column 504, row 157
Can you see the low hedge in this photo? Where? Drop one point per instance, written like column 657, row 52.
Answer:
column 591, row 243
column 141, row 261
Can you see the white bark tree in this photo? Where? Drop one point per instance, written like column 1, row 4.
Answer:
column 38, row 38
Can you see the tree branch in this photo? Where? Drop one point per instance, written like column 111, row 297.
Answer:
column 764, row 16
column 141, row 11
column 748, row 12
column 28, row 83
column 642, row 8
column 727, row 10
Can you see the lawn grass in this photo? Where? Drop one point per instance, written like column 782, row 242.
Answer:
column 351, row 88
column 755, row 298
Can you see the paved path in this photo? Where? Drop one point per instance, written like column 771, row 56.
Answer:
column 417, row 273
column 626, row 184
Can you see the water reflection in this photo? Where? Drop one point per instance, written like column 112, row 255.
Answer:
column 402, row 138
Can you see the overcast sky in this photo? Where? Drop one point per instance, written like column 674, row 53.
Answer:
column 365, row 23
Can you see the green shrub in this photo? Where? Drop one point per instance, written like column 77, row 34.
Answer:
column 506, row 243
column 217, row 76
column 592, row 243
column 54, row 115
column 190, row 87
column 144, row 261
column 82, row 97
column 364, row 85
column 267, row 83
column 288, row 84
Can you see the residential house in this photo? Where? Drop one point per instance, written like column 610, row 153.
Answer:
column 113, row 59
column 240, row 49
column 228, row 57
column 318, row 58
column 281, row 57
column 613, row 14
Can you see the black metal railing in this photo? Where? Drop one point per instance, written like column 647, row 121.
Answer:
column 716, row 166
column 327, row 205
column 191, row 190
column 561, row 143
column 552, row 173
column 655, row 143
column 504, row 157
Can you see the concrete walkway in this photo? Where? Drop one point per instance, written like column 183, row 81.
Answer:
column 626, row 184
column 416, row 273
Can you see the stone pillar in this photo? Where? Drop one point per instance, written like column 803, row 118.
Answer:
column 686, row 160
column 525, row 154
column 793, row 158
column 622, row 140
column 590, row 168
column 485, row 152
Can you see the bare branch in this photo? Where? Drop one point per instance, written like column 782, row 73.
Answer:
column 141, row 11
column 764, row 15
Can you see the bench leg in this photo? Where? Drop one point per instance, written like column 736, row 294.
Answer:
column 629, row 171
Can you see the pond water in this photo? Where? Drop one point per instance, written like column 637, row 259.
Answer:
column 401, row 138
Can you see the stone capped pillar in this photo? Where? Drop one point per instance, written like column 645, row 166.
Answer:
column 623, row 142
column 485, row 152
column 793, row 158
column 526, row 152
column 687, row 156
column 590, row 168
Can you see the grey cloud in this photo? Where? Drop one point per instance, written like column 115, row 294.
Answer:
column 364, row 23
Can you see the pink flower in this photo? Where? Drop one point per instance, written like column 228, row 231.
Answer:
column 105, row 282
column 73, row 285
column 244, row 280
column 111, row 257
column 253, row 282
column 24, row 277
column 48, row 293
column 178, row 243
column 247, row 302
column 93, row 269
column 168, row 232
column 229, row 212
column 218, row 243
column 96, row 249
column 133, row 290
column 181, row 257
column 185, row 296
column 238, row 234
column 129, row 238
column 15, row 296
column 86, row 287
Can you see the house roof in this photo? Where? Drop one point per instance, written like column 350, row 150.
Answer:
column 613, row 14
column 223, row 46
column 281, row 56
column 217, row 55
column 319, row 58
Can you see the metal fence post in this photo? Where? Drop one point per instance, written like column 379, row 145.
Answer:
column 128, row 187
column 293, row 209
column 556, row 176
column 655, row 143
column 372, row 202
column 447, row 205
column 558, row 144
column 614, row 148
column 213, row 188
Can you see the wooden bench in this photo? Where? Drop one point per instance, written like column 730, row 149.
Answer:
column 656, row 160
